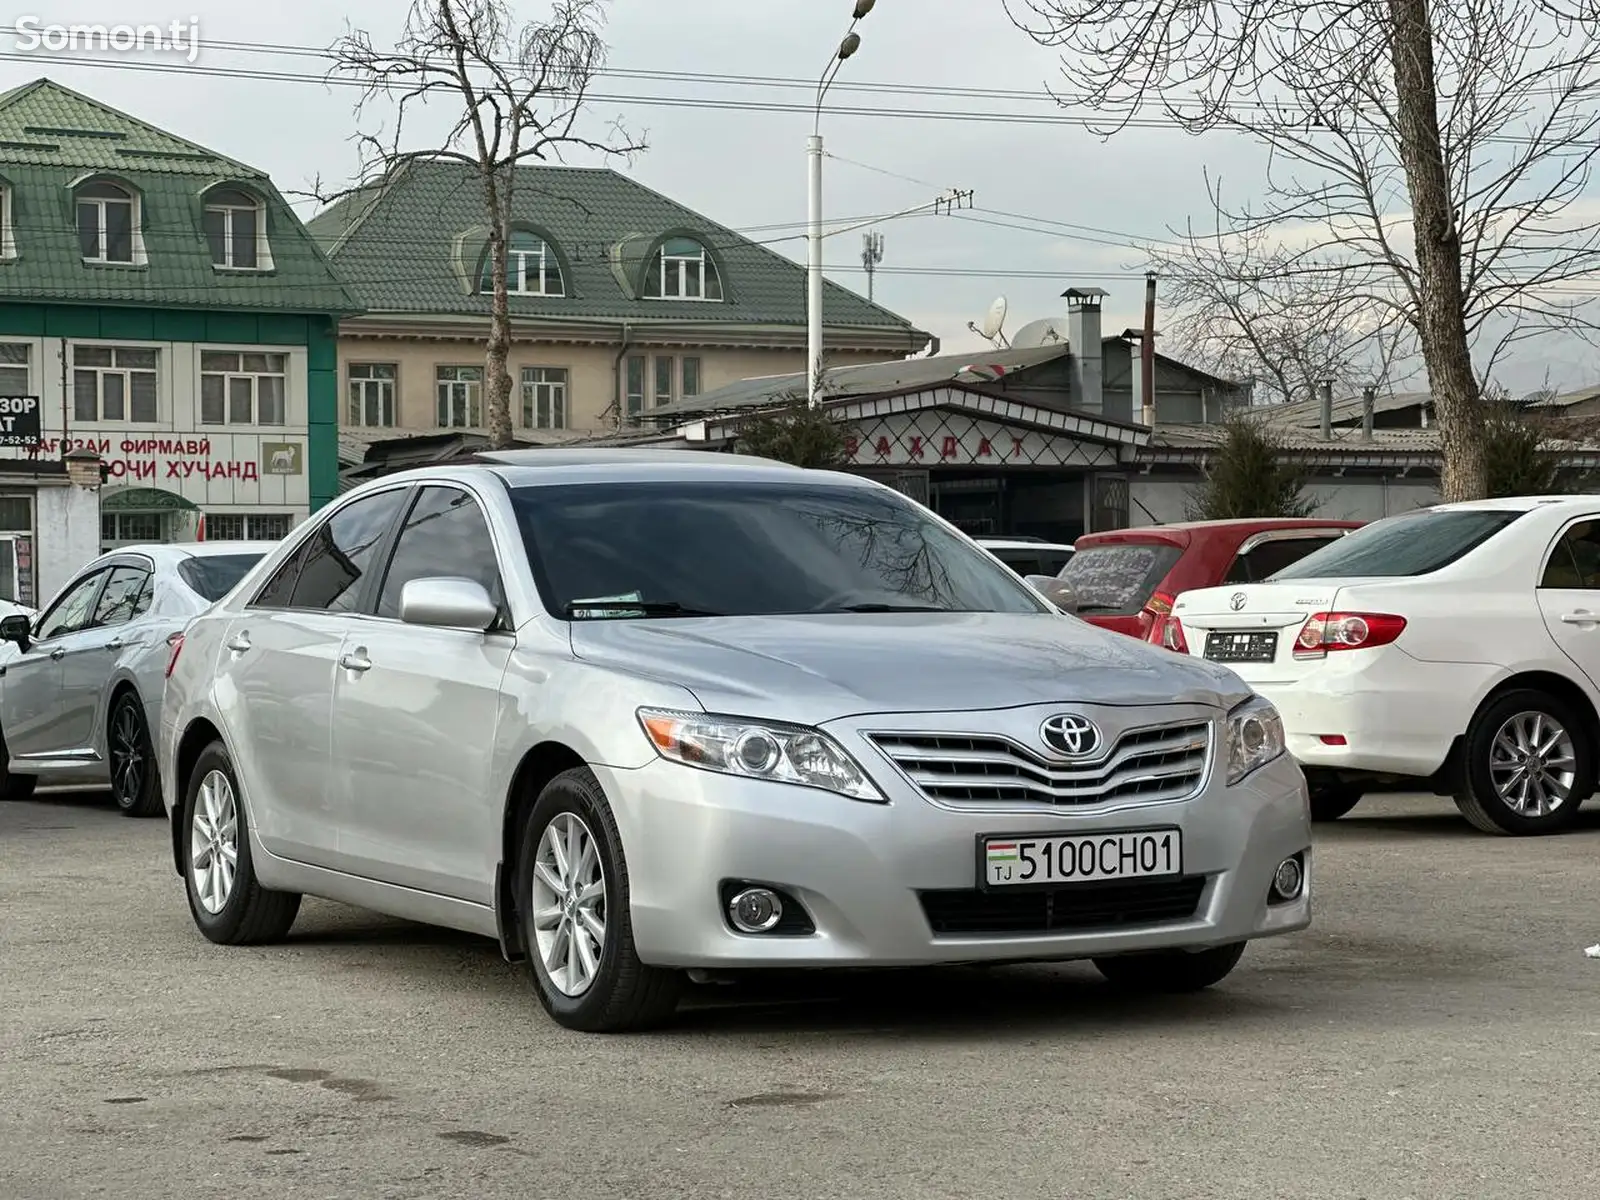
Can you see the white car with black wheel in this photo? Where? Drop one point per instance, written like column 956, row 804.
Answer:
column 1455, row 648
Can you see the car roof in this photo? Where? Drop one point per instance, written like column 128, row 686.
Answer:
column 170, row 553
column 563, row 465
column 1516, row 504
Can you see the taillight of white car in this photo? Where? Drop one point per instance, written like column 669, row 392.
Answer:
column 174, row 648
column 1326, row 632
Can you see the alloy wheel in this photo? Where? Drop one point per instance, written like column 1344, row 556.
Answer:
column 1533, row 764
column 569, row 904
column 127, row 754
column 214, row 842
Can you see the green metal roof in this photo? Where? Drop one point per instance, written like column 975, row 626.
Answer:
column 52, row 138
column 414, row 244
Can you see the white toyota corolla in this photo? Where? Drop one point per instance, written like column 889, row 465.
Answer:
column 1458, row 646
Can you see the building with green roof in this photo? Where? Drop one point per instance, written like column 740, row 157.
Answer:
column 622, row 300
column 167, row 310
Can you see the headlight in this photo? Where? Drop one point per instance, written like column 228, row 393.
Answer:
column 758, row 750
column 1255, row 738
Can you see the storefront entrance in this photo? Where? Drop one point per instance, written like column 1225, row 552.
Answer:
column 132, row 515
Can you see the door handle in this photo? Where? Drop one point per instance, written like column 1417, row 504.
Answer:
column 58, row 654
column 239, row 643
column 1581, row 617
column 118, row 644
column 356, row 660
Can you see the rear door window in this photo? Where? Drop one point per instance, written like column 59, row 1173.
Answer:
column 1023, row 562
column 1575, row 562
column 1117, row 580
column 1273, row 555
column 1417, row 543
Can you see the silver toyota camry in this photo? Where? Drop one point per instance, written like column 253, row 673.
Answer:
column 642, row 715
column 81, row 682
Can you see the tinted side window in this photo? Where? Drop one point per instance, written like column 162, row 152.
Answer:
column 1023, row 562
column 1271, row 556
column 338, row 555
column 1052, row 562
column 1575, row 562
column 119, row 600
column 445, row 534
column 71, row 612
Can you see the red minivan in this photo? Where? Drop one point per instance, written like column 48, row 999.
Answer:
column 1127, row 579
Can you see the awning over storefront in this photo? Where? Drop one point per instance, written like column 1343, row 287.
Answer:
column 143, row 499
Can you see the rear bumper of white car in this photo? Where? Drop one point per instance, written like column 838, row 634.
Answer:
column 876, row 879
column 1378, row 710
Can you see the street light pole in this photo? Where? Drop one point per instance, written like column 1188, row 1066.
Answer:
column 848, row 46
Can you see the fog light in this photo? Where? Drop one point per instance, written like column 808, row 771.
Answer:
column 755, row 910
column 1288, row 879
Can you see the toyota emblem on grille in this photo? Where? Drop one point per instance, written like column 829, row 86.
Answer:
column 1237, row 601
column 1070, row 735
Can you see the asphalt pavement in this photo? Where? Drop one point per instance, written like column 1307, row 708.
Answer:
column 1435, row 1035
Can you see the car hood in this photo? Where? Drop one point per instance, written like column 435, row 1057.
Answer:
column 815, row 668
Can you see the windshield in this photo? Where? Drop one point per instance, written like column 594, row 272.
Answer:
column 1117, row 580
column 213, row 576
column 724, row 549
column 1414, row 544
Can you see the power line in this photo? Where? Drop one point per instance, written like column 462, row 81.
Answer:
column 1057, row 119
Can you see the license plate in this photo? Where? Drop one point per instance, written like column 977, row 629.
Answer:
column 1242, row 647
column 1080, row 858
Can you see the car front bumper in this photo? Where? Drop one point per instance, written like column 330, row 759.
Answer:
column 860, row 870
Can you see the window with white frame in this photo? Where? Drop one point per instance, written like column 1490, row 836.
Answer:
column 664, row 373
column 108, row 227
column 531, row 268
column 8, row 234
column 682, row 270
column 371, row 399
column 242, row 388
column 460, row 395
column 15, row 360
column 635, row 398
column 544, row 397
column 115, row 383
column 236, row 229
column 247, row 527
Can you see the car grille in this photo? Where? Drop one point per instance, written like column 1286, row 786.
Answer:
column 1074, row 909
column 1166, row 762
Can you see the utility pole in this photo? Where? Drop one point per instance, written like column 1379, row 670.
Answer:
column 871, row 256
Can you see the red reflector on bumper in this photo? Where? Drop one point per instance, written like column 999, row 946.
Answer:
column 1332, row 739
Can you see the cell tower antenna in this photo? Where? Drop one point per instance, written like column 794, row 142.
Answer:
column 871, row 256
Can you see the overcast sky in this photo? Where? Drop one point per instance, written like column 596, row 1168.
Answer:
column 746, row 169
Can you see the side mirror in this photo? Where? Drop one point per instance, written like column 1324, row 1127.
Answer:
column 446, row 603
column 16, row 628
column 1057, row 591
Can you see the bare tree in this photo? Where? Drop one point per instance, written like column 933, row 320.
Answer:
column 1438, row 152
column 1240, row 311
column 521, row 92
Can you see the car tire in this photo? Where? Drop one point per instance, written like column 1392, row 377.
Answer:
column 236, row 910
column 1490, row 752
column 14, row 787
column 1331, row 801
column 1171, row 970
column 135, row 782
column 560, row 904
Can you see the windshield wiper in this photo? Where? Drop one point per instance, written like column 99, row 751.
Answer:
column 588, row 610
column 883, row 608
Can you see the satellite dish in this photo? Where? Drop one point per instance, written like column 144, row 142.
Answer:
column 1046, row 332
column 995, row 319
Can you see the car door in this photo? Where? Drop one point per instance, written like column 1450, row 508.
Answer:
column 90, row 654
column 1569, row 594
column 31, row 715
column 277, row 666
column 414, row 716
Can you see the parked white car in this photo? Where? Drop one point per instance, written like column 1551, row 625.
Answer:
column 1458, row 646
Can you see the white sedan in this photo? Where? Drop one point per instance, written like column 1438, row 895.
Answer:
column 1454, row 648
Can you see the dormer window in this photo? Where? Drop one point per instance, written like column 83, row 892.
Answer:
column 8, row 238
column 682, row 270
column 532, row 268
column 236, row 231
column 107, row 224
